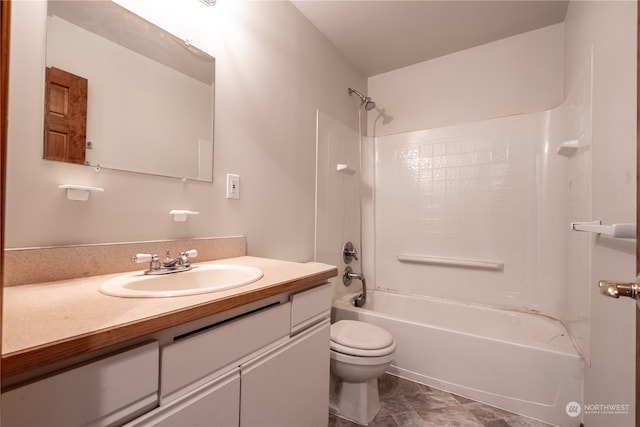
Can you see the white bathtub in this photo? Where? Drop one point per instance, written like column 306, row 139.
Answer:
column 521, row 362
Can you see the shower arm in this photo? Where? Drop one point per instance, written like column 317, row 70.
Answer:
column 365, row 101
column 361, row 299
column 352, row 91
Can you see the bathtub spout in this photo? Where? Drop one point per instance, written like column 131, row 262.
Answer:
column 361, row 299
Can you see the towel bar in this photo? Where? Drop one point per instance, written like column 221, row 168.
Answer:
column 453, row 262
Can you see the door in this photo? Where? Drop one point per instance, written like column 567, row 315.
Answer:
column 65, row 118
column 637, row 229
column 632, row 290
column 5, row 9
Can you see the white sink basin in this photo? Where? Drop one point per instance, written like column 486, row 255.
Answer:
column 200, row 279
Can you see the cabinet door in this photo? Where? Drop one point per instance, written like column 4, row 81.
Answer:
column 194, row 361
column 104, row 392
column 216, row 403
column 289, row 386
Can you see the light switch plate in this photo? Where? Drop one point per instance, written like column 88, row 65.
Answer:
column 233, row 186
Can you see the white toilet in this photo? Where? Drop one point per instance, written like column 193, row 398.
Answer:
column 360, row 353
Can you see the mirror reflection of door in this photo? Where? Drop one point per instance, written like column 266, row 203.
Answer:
column 65, row 119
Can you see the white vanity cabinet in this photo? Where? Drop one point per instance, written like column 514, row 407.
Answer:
column 269, row 367
column 104, row 392
column 197, row 359
column 216, row 403
column 255, row 367
column 289, row 385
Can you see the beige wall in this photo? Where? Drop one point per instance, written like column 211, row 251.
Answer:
column 609, row 28
column 273, row 70
column 519, row 74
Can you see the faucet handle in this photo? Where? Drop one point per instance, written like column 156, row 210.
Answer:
column 154, row 260
column 142, row 258
column 349, row 253
column 190, row 253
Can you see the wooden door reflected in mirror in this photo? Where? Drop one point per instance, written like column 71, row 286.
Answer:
column 65, row 119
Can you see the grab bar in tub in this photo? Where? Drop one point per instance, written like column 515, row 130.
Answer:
column 453, row 262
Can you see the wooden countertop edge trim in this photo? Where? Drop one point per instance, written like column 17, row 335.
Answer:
column 35, row 357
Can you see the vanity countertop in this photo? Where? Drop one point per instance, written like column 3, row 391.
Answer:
column 48, row 322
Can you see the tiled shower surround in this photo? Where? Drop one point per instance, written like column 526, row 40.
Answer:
column 491, row 191
column 494, row 190
column 337, row 195
column 462, row 192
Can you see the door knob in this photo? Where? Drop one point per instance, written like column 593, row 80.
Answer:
column 620, row 289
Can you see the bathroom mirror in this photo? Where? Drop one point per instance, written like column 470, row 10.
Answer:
column 150, row 95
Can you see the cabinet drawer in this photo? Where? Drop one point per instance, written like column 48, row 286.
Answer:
column 190, row 362
column 100, row 393
column 310, row 307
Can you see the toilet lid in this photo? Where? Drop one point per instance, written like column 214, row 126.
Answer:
column 360, row 335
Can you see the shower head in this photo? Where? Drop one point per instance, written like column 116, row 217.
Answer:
column 368, row 104
column 364, row 100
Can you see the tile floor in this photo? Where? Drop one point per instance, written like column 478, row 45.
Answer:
column 404, row 403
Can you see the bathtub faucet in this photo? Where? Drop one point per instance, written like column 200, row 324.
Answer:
column 361, row 299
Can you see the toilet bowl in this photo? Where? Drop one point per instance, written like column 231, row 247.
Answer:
column 360, row 353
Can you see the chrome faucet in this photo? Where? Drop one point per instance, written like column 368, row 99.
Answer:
column 361, row 299
column 181, row 263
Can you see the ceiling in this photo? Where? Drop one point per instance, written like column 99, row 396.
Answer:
column 382, row 35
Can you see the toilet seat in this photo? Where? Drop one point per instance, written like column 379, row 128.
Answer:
column 362, row 353
column 361, row 339
column 362, row 361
